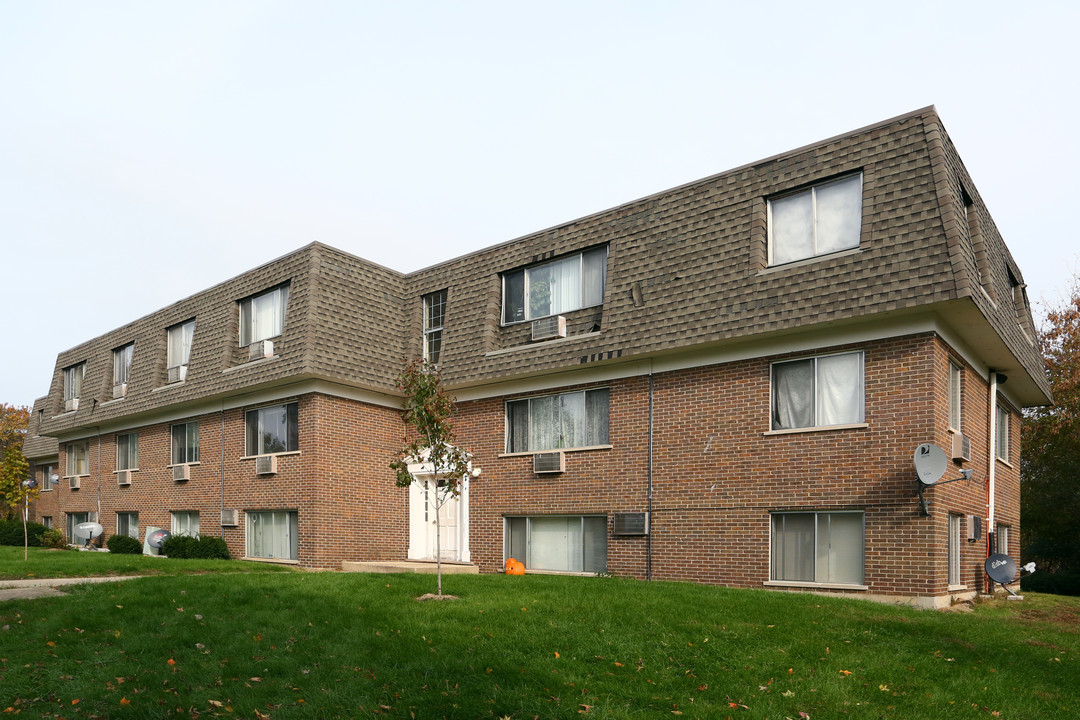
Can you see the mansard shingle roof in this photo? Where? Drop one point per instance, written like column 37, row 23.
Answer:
column 686, row 269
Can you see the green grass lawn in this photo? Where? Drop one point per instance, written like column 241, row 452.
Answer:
column 322, row 645
column 44, row 563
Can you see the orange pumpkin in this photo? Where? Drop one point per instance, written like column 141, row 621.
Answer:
column 514, row 567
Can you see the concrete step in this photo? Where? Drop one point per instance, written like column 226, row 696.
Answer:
column 410, row 566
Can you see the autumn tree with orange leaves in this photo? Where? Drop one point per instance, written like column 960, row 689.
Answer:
column 13, row 424
column 1050, row 465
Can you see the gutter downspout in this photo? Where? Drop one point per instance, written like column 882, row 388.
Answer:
column 990, row 474
column 222, row 527
column 648, row 538
column 99, row 475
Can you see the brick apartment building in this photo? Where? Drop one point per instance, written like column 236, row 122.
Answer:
column 724, row 382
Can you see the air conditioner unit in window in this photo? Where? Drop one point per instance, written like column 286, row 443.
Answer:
column 71, row 404
column 266, row 465
column 261, row 349
column 974, row 528
column 119, row 390
column 632, row 523
column 123, row 477
column 549, row 462
column 229, row 518
column 178, row 373
column 549, row 327
column 181, row 473
column 73, row 483
column 961, row 447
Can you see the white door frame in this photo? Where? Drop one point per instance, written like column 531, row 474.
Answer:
column 421, row 532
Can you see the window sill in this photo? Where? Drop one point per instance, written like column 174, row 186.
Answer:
column 113, row 401
column 168, row 386
column 822, row 428
column 813, row 585
column 794, row 264
column 68, row 477
column 957, row 588
column 1006, row 463
column 250, row 363
column 280, row 454
column 585, row 448
column 190, row 464
column 118, row 470
column 570, row 573
column 543, row 343
column 275, row 561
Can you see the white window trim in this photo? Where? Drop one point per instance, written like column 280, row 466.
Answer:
column 525, row 284
column 67, row 461
column 809, row 583
column 249, row 302
column 812, row 190
column 433, row 329
column 1003, row 411
column 815, row 428
column 506, row 423
column 528, row 541
column 956, row 373
column 172, row 445
column 264, row 407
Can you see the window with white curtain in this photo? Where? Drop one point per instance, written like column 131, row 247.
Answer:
column 1002, row 443
column 560, row 543
column 956, row 525
column 273, row 534
column 73, row 378
column 1001, row 539
column 272, row 429
column 179, row 349
column 817, row 392
column 185, row 522
column 818, row 547
column 263, row 316
column 74, row 519
column 127, row 523
column 122, row 364
column 823, row 219
column 954, row 396
column 554, row 422
column 127, row 451
column 185, row 443
column 555, row 287
column 78, row 459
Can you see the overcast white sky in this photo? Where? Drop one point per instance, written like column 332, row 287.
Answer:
column 150, row 150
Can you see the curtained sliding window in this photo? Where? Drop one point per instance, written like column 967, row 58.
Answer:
column 574, row 543
column 817, row 392
column 824, row 219
column 554, row 422
column 179, row 349
column 555, row 287
column 818, row 547
column 263, row 316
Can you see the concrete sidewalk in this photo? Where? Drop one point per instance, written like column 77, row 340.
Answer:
column 49, row 587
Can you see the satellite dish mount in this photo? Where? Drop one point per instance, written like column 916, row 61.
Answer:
column 930, row 465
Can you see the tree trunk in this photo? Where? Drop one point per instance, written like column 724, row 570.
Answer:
column 438, row 539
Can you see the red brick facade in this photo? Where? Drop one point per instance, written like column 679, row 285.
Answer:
column 717, row 475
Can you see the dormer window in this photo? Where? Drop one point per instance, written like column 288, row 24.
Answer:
column 823, row 219
column 263, row 316
column 122, row 369
column 179, row 350
column 555, row 287
column 73, row 377
column 434, row 316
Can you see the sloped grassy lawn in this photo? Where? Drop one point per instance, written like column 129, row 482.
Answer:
column 43, row 564
column 298, row 645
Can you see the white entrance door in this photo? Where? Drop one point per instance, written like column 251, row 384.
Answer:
column 451, row 529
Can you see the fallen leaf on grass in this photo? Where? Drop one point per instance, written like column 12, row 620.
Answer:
column 124, row 701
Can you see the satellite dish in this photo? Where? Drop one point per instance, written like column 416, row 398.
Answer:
column 1001, row 568
column 88, row 530
column 157, row 538
column 930, row 463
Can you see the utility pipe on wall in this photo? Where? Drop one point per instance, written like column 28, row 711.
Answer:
column 648, row 538
column 992, row 462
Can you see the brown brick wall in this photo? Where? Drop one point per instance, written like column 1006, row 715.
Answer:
column 717, row 474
